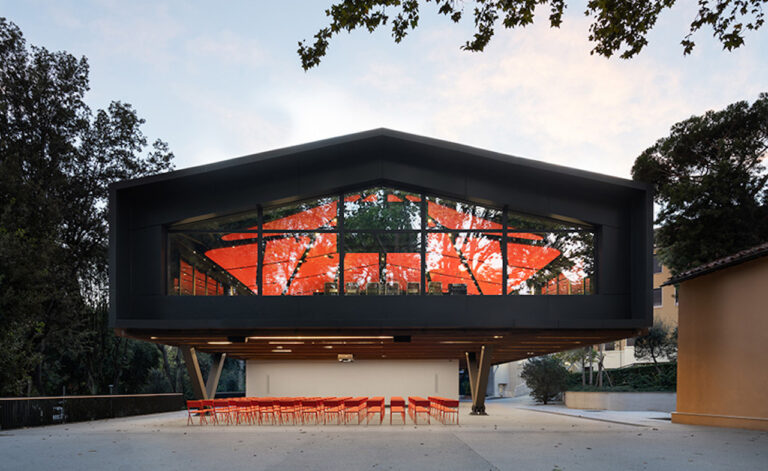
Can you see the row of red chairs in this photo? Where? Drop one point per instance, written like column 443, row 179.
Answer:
column 444, row 409
column 314, row 410
column 286, row 410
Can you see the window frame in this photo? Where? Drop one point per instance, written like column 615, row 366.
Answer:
column 424, row 231
column 661, row 297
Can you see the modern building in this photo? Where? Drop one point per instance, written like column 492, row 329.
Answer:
column 721, row 374
column 378, row 263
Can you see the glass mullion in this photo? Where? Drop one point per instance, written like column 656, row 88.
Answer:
column 504, row 214
column 260, row 265
column 340, row 243
column 423, row 235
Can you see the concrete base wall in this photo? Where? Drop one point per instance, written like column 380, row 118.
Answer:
column 655, row 401
column 754, row 423
column 360, row 378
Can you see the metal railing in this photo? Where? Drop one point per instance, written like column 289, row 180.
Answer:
column 16, row 412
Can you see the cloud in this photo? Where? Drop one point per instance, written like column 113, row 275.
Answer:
column 148, row 34
column 228, row 48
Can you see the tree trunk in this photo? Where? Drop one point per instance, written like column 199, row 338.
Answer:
column 600, row 366
column 179, row 382
column 655, row 363
column 167, row 367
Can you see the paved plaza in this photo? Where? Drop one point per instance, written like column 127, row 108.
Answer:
column 514, row 436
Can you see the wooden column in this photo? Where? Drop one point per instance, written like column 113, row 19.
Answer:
column 213, row 376
column 193, row 369
column 472, row 372
column 479, row 371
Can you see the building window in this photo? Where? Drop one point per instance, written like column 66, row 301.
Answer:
column 656, row 264
column 610, row 346
column 380, row 241
column 631, row 342
column 657, row 297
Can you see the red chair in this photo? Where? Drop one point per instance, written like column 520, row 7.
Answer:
column 221, row 408
column 288, row 409
column 239, row 410
column 310, row 408
column 333, row 408
column 356, row 407
column 396, row 406
column 374, row 405
column 267, row 409
column 416, row 406
column 450, row 409
column 197, row 408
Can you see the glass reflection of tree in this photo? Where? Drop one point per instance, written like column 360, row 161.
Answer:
column 383, row 209
column 381, row 244
column 298, row 216
column 576, row 253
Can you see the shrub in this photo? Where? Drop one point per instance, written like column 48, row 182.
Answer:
column 639, row 378
column 546, row 376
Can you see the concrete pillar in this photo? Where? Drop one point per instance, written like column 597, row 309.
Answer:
column 195, row 375
column 213, row 376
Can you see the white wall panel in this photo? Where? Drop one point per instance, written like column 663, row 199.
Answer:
column 360, row 378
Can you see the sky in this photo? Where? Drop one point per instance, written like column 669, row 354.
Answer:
column 218, row 80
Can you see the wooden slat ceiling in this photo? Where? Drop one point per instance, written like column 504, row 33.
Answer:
column 509, row 345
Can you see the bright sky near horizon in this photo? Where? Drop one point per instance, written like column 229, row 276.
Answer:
column 222, row 81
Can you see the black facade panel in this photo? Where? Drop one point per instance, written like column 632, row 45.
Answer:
column 612, row 258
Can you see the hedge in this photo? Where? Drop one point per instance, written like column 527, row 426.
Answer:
column 641, row 378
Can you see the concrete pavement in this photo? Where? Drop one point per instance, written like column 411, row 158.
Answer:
column 514, row 436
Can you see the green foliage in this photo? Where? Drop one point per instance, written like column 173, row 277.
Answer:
column 641, row 378
column 57, row 158
column 545, row 376
column 658, row 343
column 710, row 184
column 618, row 27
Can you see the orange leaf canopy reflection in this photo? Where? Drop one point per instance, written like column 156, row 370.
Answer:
column 301, row 263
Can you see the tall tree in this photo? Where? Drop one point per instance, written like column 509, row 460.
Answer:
column 617, row 27
column 57, row 159
column 710, row 184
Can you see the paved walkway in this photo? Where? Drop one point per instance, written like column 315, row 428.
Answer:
column 515, row 436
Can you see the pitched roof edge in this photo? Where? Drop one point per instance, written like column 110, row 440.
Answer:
column 378, row 132
column 737, row 258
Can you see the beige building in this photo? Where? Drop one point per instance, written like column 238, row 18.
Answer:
column 722, row 376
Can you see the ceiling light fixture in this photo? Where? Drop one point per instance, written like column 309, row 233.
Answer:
column 281, row 351
column 217, row 342
column 327, row 337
